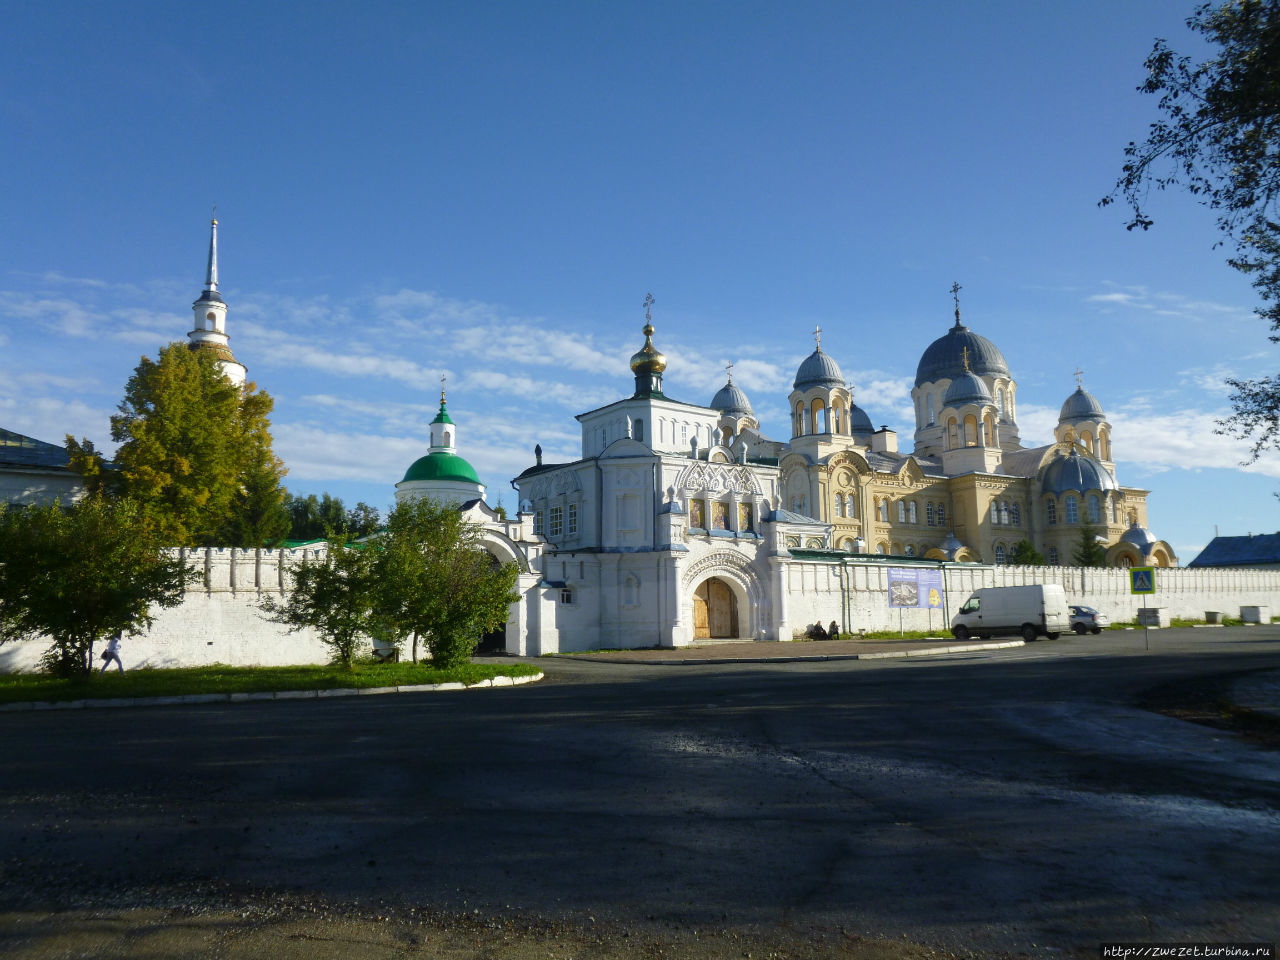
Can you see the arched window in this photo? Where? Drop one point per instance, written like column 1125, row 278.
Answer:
column 637, row 430
column 1000, row 553
column 970, row 431
column 902, row 512
column 839, row 419
column 819, row 414
column 807, row 426
column 1015, row 515
column 1053, row 556
column 928, row 513
column 881, row 549
column 1087, row 439
column 1073, row 510
column 988, row 431
column 1000, row 402
column 1095, row 509
column 911, row 513
column 1051, row 511
column 942, row 514
column 953, row 438
column 884, row 511
column 839, row 504
column 1113, row 510
column 995, row 512
column 928, row 399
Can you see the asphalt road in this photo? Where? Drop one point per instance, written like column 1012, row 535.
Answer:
column 1009, row 801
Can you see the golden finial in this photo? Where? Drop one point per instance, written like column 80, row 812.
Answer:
column 214, row 215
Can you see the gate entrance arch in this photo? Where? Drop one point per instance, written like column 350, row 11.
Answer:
column 715, row 611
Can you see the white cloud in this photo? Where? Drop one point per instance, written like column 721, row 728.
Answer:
column 1182, row 440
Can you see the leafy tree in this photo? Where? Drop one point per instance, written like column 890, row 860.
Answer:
column 1219, row 139
column 82, row 573
column 1025, row 554
column 336, row 595
column 195, row 453
column 312, row 517
column 439, row 584
column 1088, row 551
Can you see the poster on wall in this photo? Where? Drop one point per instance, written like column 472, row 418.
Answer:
column 914, row 587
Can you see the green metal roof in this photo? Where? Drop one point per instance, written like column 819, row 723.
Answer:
column 441, row 466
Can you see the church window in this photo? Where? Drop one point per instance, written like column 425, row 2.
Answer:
column 999, row 553
column 839, row 504
column 1095, row 509
column 1000, row 402
column 566, row 595
column 447, row 436
column 557, row 522
column 902, row 512
column 1073, row 510
column 1053, row 556
column 537, row 522
column 637, row 430
column 995, row 512
column 684, row 433
column 1004, row 512
column 881, row 549
column 1051, row 511
column 929, row 404
column 942, row 514
column 631, row 591
column 884, row 511
column 1113, row 511
column 953, row 440
column 839, row 419
column 928, row 513
column 971, row 431
column 912, row 517
column 573, row 519
column 1015, row 515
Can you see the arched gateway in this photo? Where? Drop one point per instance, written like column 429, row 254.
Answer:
column 715, row 611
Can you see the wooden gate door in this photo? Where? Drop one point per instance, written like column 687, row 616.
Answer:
column 700, row 625
column 722, row 622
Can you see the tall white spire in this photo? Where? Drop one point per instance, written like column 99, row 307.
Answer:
column 210, row 330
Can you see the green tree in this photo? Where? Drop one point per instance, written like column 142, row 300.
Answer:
column 1218, row 138
column 195, row 453
column 312, row 517
column 1088, row 551
column 1025, row 554
column 439, row 584
column 336, row 595
column 82, row 573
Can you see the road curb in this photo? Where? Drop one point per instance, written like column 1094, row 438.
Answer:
column 258, row 695
column 882, row 655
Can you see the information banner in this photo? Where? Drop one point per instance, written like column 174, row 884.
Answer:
column 915, row 587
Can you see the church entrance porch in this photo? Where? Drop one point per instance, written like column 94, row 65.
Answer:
column 715, row 611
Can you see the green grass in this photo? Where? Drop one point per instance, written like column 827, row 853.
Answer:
column 15, row 687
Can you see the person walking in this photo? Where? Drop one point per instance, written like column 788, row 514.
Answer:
column 112, row 652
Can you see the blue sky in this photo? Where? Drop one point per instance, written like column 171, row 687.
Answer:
column 488, row 191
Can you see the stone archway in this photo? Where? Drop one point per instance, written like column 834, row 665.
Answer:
column 715, row 611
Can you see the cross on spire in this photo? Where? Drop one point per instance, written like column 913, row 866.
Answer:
column 955, row 295
column 648, row 302
column 729, row 368
column 817, row 336
column 1079, row 373
column 442, row 389
column 965, row 354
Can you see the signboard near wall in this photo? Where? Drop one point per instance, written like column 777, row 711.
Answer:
column 915, row 587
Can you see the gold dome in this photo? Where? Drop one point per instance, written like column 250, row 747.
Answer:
column 648, row 360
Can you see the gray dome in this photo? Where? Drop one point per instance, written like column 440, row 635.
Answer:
column 1140, row 537
column 818, row 370
column 944, row 358
column 1076, row 471
column 859, row 422
column 966, row 388
column 730, row 399
column 1081, row 406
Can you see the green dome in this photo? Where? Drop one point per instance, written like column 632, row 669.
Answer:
column 441, row 466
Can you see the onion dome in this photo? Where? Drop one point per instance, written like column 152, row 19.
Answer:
column 966, row 388
column 730, row 399
column 1140, row 537
column 951, row 545
column 944, row 359
column 818, row 370
column 648, row 360
column 1075, row 471
column 859, row 422
column 1081, row 405
column 440, row 465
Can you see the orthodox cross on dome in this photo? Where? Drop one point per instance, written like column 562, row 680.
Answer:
column 965, row 355
column 442, row 389
column 1079, row 382
column 955, row 295
column 648, row 302
column 817, row 336
column 729, row 369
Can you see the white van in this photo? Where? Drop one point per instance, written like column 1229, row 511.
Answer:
column 1032, row 611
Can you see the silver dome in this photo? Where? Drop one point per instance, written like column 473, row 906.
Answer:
column 944, row 359
column 966, row 388
column 818, row 370
column 1076, row 471
column 1081, row 405
column 1140, row 537
column 731, row 399
column 859, row 422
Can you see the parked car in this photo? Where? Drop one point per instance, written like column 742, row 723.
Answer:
column 1034, row 610
column 1088, row 620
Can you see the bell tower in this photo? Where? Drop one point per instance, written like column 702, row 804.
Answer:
column 210, row 329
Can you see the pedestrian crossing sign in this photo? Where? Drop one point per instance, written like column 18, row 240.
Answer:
column 1142, row 579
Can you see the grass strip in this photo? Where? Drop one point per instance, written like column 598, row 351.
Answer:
column 218, row 678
